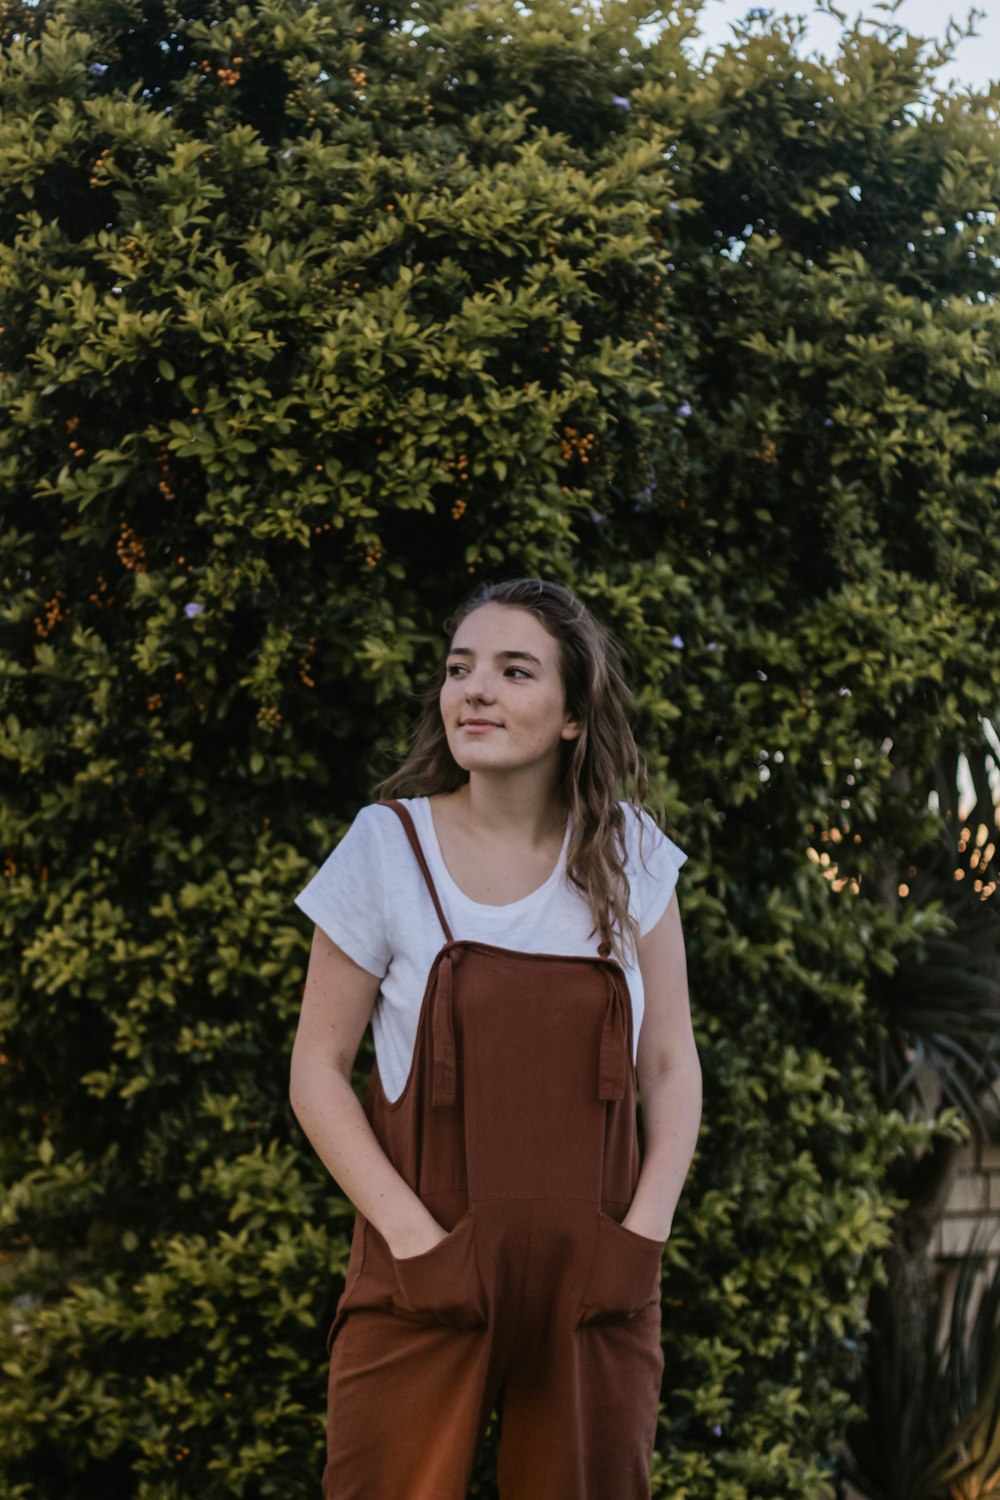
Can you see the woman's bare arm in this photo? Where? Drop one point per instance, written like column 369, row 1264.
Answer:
column 669, row 1077
column 337, row 1003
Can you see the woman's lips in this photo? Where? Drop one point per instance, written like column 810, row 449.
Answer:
column 473, row 728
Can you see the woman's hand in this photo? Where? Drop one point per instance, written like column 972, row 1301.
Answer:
column 416, row 1240
column 646, row 1227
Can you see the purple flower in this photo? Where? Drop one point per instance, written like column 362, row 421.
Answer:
column 193, row 609
column 621, row 101
column 827, row 421
column 97, row 69
column 717, row 1430
column 712, row 646
column 684, row 410
column 677, row 641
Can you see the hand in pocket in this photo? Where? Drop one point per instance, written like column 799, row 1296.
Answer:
column 624, row 1274
column 442, row 1284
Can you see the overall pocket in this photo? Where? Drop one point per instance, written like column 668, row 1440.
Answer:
column 443, row 1285
column 624, row 1274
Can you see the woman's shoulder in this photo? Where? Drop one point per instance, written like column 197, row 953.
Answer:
column 381, row 807
column 383, row 826
column 639, row 821
column 645, row 839
column 386, row 815
column 652, row 866
column 366, row 844
column 364, row 833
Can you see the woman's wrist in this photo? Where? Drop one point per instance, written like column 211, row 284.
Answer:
column 651, row 1228
column 414, row 1235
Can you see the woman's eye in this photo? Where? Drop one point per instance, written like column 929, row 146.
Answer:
column 455, row 667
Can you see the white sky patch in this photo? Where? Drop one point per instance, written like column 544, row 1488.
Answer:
column 976, row 60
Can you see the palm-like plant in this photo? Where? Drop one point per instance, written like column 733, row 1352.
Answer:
column 931, row 1431
column 932, row 1416
column 942, row 1004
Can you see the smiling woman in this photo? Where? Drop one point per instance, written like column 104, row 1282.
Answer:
column 508, row 929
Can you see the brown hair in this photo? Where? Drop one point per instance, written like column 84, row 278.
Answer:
column 600, row 767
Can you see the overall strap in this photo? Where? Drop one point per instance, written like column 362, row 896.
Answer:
column 411, row 834
column 615, row 1052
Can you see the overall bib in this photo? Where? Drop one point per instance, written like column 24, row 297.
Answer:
column 517, row 1128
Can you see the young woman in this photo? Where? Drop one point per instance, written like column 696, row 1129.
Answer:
column 509, row 931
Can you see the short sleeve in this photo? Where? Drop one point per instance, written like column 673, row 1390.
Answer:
column 654, row 865
column 346, row 896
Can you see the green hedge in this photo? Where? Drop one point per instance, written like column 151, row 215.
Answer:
column 313, row 316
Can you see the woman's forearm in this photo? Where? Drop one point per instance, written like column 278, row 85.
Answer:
column 671, row 1114
column 331, row 1115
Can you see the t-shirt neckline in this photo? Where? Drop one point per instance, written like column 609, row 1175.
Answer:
column 485, row 908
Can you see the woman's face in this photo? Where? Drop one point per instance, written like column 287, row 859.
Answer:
column 503, row 667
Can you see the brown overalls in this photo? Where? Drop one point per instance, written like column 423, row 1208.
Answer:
column 517, row 1129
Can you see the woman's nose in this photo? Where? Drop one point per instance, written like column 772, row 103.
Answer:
column 478, row 685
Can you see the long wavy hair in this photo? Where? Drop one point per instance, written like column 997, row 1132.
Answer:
column 599, row 769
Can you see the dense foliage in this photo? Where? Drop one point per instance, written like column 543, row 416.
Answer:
column 313, row 315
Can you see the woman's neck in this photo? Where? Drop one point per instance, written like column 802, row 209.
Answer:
column 525, row 819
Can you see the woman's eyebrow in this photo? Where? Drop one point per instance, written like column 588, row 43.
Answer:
column 500, row 655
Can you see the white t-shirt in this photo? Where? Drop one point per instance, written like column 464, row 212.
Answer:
column 371, row 898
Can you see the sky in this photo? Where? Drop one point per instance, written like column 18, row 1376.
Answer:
column 976, row 61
